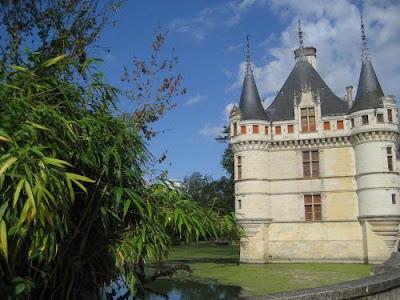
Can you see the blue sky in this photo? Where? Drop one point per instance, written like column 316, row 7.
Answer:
column 209, row 39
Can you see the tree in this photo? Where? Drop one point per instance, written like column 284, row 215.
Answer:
column 75, row 210
column 209, row 193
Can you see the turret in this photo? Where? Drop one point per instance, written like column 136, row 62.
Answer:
column 374, row 132
column 249, row 136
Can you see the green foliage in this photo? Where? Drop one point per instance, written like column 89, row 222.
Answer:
column 75, row 211
column 216, row 195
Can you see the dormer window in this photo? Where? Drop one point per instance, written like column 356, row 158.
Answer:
column 243, row 129
column 308, row 119
column 379, row 118
column 339, row 124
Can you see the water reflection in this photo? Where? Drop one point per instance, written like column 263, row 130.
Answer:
column 191, row 290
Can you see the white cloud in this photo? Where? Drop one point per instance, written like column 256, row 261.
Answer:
column 334, row 29
column 226, row 15
column 195, row 99
column 227, row 111
column 235, row 47
column 211, row 131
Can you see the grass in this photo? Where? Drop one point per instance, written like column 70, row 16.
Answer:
column 220, row 264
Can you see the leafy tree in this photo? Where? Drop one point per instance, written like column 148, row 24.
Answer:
column 209, row 193
column 75, row 210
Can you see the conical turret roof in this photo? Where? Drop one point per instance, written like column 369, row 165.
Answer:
column 369, row 91
column 250, row 104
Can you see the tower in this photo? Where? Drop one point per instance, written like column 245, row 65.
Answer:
column 250, row 133
column 374, row 130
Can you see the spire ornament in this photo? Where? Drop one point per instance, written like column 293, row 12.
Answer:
column 301, row 46
column 365, row 50
column 248, row 63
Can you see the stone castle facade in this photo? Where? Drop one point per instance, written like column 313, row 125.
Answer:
column 316, row 177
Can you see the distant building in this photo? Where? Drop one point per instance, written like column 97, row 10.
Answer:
column 315, row 175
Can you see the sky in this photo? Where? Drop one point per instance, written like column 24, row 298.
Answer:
column 209, row 38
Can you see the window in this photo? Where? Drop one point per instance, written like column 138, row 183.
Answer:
column 310, row 164
column 327, row 125
column 312, row 207
column 266, row 130
column 239, row 204
column 389, row 158
column 243, row 129
column 364, row 120
column 290, row 128
column 308, row 119
column 339, row 124
column 379, row 118
column 239, row 167
column 255, row 128
column 278, row 130
column 234, row 128
column 393, row 198
column 390, row 116
column 352, row 123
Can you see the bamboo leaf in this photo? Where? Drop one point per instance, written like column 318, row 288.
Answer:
column 12, row 86
column 29, row 192
column 24, row 213
column 20, row 69
column 17, row 192
column 3, row 209
column 71, row 190
column 4, row 139
column 37, row 125
column 7, row 164
column 83, row 188
column 56, row 162
column 52, row 61
column 3, row 239
column 79, row 177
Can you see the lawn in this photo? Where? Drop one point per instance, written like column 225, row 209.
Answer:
column 220, row 264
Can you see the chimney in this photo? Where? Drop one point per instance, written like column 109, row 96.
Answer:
column 310, row 53
column 349, row 95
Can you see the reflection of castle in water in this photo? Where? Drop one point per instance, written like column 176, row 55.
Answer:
column 315, row 175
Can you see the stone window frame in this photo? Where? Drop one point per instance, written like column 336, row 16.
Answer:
column 390, row 115
column 311, row 163
column 256, row 129
column 239, row 204
column 266, row 130
column 308, row 119
column 243, row 129
column 364, row 120
column 290, row 128
column 379, row 118
column 389, row 155
column 278, row 130
column 339, row 124
column 312, row 207
column 393, row 198
column 352, row 123
column 327, row 126
column 235, row 131
column 239, row 167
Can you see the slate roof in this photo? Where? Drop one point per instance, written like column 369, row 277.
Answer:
column 303, row 73
column 250, row 102
column 369, row 91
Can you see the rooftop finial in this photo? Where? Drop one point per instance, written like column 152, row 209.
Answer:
column 365, row 54
column 300, row 32
column 248, row 63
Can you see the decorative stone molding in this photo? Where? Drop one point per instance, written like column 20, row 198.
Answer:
column 291, row 144
column 374, row 136
column 386, row 226
column 255, row 221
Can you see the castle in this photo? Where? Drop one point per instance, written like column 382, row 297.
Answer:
column 315, row 175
